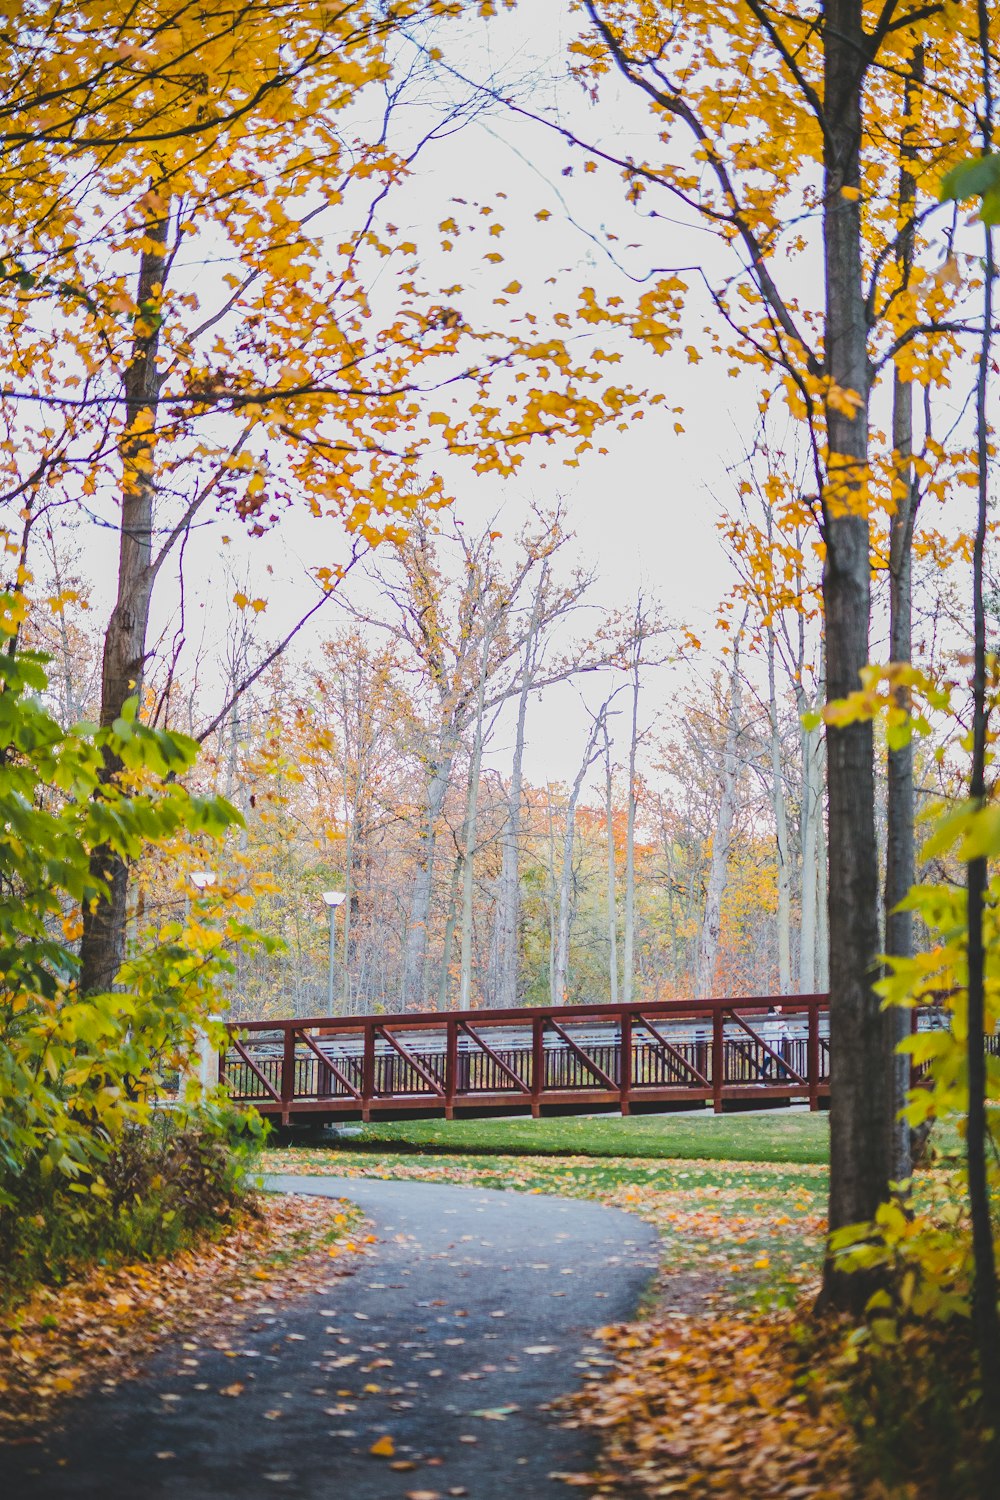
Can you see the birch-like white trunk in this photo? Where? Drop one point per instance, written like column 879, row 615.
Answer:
column 552, row 900
column 471, row 818
column 823, row 883
column 780, row 830
column 415, row 952
column 708, row 943
column 347, row 935
column 628, row 956
column 506, row 920
column 811, row 845
column 560, row 971
column 451, row 920
column 612, row 873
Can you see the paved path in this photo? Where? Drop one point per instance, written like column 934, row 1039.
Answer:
column 474, row 1309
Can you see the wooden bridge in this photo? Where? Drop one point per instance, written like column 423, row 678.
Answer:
column 572, row 1059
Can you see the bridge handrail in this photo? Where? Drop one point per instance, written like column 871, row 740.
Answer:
column 677, row 1009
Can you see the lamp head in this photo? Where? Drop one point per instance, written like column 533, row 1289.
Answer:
column 334, row 898
column 201, row 879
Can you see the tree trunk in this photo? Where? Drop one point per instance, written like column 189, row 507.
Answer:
column 560, row 969
column 349, row 900
column 471, row 817
column 507, row 917
column 859, row 1113
column 822, row 903
column 708, row 943
column 900, row 861
column 612, row 892
column 628, row 956
column 977, row 1134
column 415, row 951
column 552, row 893
column 102, row 948
column 811, row 845
column 780, row 830
column 451, row 919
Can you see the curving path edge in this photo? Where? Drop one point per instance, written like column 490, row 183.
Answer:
column 473, row 1311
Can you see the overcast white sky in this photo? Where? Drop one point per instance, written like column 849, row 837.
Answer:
column 646, row 514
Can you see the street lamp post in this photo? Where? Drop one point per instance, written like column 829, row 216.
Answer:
column 333, row 899
column 206, row 1060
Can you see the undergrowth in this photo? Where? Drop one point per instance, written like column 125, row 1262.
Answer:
column 913, row 1404
column 162, row 1186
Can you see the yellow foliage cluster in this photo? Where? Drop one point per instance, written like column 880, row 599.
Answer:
column 192, row 211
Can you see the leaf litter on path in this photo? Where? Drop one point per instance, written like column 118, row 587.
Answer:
column 705, row 1398
column 96, row 1329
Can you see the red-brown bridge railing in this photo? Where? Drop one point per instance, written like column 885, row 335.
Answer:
column 538, row 1060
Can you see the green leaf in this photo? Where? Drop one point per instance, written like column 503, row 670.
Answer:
column 976, row 177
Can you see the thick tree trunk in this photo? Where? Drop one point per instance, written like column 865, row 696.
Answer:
column 102, row 948
column 859, row 1164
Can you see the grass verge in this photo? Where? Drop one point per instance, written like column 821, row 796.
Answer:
column 746, row 1232
column 794, row 1136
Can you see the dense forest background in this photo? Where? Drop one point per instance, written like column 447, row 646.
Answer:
column 683, row 855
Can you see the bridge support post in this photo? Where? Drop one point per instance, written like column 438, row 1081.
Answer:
column 288, row 1075
column 812, row 1059
column 537, row 1064
column 450, row 1067
column 625, row 1063
column 718, row 1058
column 368, row 1072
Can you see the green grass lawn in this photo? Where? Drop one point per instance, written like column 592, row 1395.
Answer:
column 753, row 1228
column 768, row 1136
column 736, row 1198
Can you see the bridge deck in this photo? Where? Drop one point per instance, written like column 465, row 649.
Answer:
column 567, row 1059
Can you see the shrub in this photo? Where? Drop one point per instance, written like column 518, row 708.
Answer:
column 162, row 1185
column 86, row 1164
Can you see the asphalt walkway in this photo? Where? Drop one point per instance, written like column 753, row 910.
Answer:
column 473, row 1311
